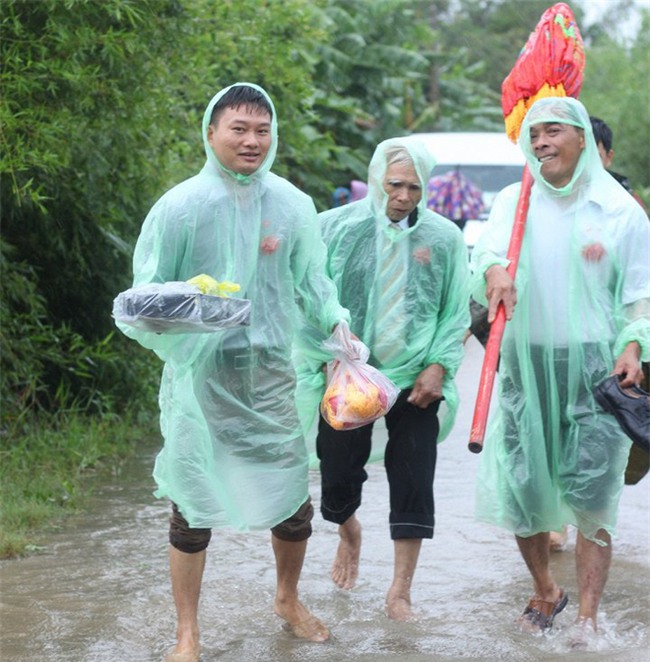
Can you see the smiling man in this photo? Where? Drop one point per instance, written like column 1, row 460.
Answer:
column 402, row 272
column 234, row 455
column 578, row 311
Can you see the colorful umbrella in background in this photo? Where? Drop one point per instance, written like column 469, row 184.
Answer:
column 358, row 189
column 550, row 65
column 455, row 196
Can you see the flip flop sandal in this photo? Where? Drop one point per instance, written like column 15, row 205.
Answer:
column 541, row 613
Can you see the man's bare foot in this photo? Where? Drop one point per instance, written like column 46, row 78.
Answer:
column 187, row 648
column 398, row 608
column 557, row 540
column 190, row 655
column 301, row 622
column 345, row 569
column 582, row 633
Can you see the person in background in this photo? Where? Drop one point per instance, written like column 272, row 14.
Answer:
column 605, row 142
column 577, row 312
column 340, row 196
column 402, row 271
column 234, row 454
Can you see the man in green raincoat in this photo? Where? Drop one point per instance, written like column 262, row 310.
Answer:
column 234, row 454
column 578, row 311
column 402, row 271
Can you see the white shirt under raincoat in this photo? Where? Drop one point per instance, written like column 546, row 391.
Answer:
column 234, row 454
column 433, row 278
column 552, row 456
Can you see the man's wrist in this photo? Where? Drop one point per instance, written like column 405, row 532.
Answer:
column 634, row 348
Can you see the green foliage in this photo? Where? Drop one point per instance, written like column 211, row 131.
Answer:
column 374, row 67
column 492, row 32
column 383, row 73
column 615, row 89
column 81, row 105
column 52, row 368
column 84, row 97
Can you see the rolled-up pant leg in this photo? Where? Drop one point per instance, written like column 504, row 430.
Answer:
column 191, row 541
column 410, row 462
column 184, row 538
column 343, row 455
column 297, row 527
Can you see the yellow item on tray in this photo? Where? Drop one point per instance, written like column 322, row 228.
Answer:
column 209, row 285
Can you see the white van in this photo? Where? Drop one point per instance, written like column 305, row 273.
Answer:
column 489, row 160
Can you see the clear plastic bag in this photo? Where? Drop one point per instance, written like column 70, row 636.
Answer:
column 356, row 393
column 178, row 307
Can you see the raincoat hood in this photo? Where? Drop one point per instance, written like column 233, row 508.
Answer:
column 562, row 110
column 214, row 163
column 423, row 161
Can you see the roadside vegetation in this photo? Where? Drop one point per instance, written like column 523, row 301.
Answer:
column 46, row 475
column 100, row 111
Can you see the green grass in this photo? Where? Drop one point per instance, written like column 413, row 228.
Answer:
column 44, row 472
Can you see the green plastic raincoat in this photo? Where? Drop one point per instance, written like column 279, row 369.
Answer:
column 234, row 454
column 552, row 456
column 435, row 281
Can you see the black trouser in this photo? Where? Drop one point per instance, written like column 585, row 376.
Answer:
column 410, row 462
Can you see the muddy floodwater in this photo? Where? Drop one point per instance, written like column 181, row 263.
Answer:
column 99, row 590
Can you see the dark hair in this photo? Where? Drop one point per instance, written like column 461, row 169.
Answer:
column 602, row 133
column 241, row 95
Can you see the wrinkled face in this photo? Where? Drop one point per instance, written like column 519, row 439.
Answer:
column 241, row 139
column 558, row 148
column 402, row 185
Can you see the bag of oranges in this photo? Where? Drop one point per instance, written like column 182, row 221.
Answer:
column 356, row 393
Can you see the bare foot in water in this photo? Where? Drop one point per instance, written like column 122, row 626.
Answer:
column 187, row 648
column 345, row 568
column 187, row 656
column 398, row 607
column 398, row 599
column 301, row 622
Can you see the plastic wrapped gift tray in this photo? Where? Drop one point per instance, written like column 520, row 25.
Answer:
column 179, row 307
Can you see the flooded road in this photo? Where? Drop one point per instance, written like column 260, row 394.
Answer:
column 99, row 592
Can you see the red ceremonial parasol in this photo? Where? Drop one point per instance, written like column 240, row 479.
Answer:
column 550, row 65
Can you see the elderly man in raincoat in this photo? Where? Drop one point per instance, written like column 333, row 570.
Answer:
column 578, row 310
column 403, row 273
column 234, row 454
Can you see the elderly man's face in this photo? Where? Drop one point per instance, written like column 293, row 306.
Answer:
column 404, row 191
column 241, row 139
column 558, row 148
